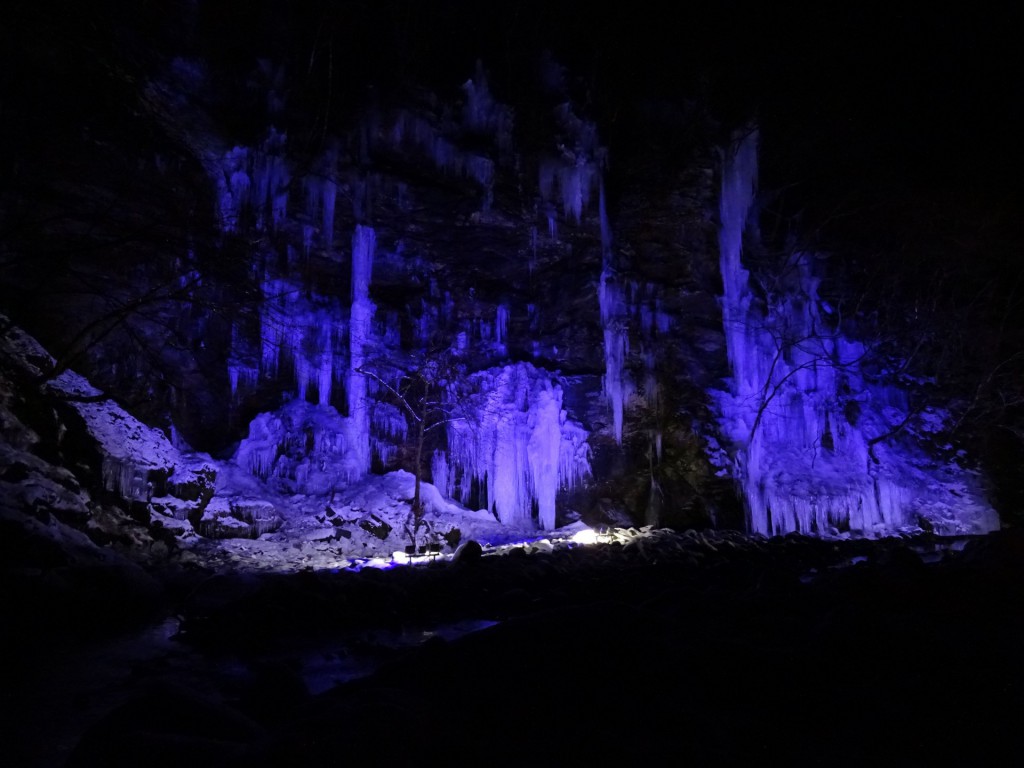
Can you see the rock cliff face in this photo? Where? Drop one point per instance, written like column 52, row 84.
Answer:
column 500, row 235
column 210, row 243
column 489, row 249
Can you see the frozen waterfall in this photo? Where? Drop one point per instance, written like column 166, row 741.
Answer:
column 304, row 331
column 254, row 181
column 510, row 438
column 300, row 448
column 611, row 295
column 818, row 446
column 364, row 242
column 309, row 333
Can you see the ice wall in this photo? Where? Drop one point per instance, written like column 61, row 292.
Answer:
column 571, row 175
column 614, row 322
column 481, row 113
column 271, row 180
column 254, row 181
column 819, row 448
column 310, row 334
column 364, row 242
column 300, row 448
column 305, row 332
column 510, row 439
column 444, row 141
column 321, row 199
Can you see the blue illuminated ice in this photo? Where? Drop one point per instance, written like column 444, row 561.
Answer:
column 321, row 198
column 306, row 331
column 511, row 438
column 253, row 181
column 483, row 114
column 310, row 333
column 611, row 294
column 364, row 243
column 818, row 447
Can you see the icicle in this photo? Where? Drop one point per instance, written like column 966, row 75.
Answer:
column 270, row 181
column 301, row 448
column 241, row 375
column 308, row 230
column 389, row 421
column 321, row 198
column 614, row 313
column 325, row 378
column 124, row 478
column 662, row 320
column 178, row 442
column 385, row 451
column 516, row 442
column 501, row 325
column 482, row 113
column 363, row 245
column 481, row 170
column 233, row 185
column 802, row 460
column 439, row 474
column 479, row 104
column 302, row 376
column 330, row 194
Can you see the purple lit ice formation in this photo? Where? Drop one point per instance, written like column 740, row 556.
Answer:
column 815, row 442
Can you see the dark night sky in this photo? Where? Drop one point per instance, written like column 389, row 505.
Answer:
column 870, row 96
column 926, row 79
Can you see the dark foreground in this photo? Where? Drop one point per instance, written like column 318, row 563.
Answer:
column 674, row 649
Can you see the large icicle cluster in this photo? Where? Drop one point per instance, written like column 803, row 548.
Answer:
column 300, row 448
column 254, row 181
column 611, row 296
column 481, row 113
column 316, row 449
column 510, row 438
column 443, row 141
column 364, row 242
column 307, row 333
column 572, row 175
column 321, row 199
column 819, row 448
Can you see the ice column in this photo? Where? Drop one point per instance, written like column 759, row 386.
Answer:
column 233, row 185
column 512, row 438
column 501, row 325
column 612, row 301
column 270, row 181
column 363, row 244
column 818, row 447
column 321, row 197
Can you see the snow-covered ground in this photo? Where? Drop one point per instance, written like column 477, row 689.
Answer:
column 368, row 524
